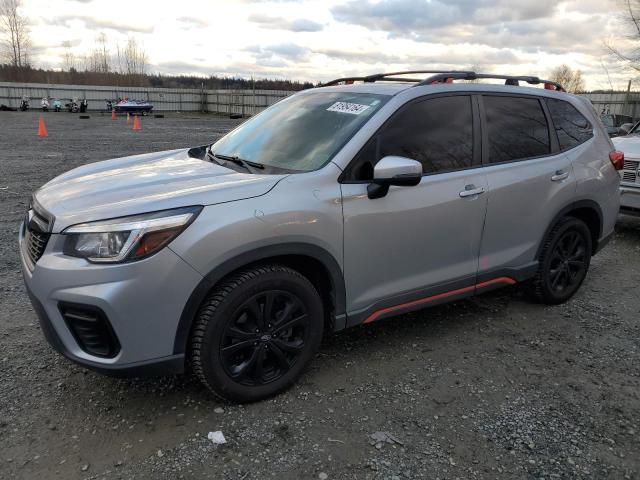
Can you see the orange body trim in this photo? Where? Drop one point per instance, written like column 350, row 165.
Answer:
column 420, row 301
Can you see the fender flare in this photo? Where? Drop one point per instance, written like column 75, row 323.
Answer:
column 263, row 253
column 562, row 213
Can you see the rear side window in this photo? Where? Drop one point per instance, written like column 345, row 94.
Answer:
column 571, row 126
column 516, row 128
column 437, row 132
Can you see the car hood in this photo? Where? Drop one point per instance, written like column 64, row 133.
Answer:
column 630, row 145
column 144, row 183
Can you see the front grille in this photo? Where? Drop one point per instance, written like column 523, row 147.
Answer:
column 91, row 329
column 35, row 243
column 630, row 171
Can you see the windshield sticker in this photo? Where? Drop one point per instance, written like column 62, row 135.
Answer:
column 345, row 107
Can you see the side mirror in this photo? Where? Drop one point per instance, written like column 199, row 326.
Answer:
column 392, row 170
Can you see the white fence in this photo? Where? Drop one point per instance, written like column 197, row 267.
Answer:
column 240, row 102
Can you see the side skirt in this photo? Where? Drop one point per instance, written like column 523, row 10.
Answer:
column 458, row 290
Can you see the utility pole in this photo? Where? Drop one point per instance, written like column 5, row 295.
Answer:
column 627, row 100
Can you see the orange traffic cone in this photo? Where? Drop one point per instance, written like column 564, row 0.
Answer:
column 113, row 114
column 136, row 123
column 42, row 129
column 128, row 119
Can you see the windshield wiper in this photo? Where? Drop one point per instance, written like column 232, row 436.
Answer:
column 212, row 157
column 248, row 164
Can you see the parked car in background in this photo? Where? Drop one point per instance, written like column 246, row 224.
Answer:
column 624, row 129
column 630, row 174
column 338, row 206
column 613, row 122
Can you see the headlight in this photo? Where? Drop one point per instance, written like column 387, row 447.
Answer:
column 127, row 238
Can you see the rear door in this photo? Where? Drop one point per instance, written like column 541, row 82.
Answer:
column 416, row 241
column 529, row 179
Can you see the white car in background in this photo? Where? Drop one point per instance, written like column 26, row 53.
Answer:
column 630, row 174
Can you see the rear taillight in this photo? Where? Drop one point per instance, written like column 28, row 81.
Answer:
column 617, row 159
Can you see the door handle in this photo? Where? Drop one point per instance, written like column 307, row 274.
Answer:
column 470, row 191
column 559, row 176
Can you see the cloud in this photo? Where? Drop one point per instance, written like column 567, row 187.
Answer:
column 192, row 22
column 450, row 57
column 101, row 23
column 541, row 26
column 278, row 23
column 414, row 16
column 288, row 51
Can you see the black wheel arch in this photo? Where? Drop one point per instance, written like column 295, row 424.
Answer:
column 314, row 262
column 586, row 210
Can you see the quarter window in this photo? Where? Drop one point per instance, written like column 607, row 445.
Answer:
column 571, row 126
column 437, row 132
column 516, row 128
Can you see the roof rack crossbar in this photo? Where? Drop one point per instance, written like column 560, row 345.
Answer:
column 442, row 76
column 384, row 76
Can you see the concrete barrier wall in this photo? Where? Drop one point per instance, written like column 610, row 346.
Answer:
column 242, row 102
column 620, row 103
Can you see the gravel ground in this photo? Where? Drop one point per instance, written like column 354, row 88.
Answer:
column 494, row 387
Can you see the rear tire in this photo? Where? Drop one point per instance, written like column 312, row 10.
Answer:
column 563, row 263
column 256, row 332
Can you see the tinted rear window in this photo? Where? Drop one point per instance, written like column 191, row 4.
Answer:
column 571, row 126
column 516, row 128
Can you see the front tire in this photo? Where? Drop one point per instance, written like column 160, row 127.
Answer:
column 256, row 332
column 564, row 262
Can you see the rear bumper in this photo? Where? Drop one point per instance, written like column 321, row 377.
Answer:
column 630, row 199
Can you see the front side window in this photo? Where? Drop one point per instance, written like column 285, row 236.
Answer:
column 516, row 128
column 301, row 133
column 571, row 126
column 437, row 132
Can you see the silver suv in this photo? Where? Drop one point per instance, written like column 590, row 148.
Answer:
column 338, row 206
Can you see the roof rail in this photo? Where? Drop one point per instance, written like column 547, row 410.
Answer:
column 514, row 80
column 444, row 76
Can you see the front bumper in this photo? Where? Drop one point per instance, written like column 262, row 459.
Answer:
column 142, row 300
column 630, row 199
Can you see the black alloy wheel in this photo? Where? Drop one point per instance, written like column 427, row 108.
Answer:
column 563, row 262
column 264, row 337
column 568, row 262
column 256, row 332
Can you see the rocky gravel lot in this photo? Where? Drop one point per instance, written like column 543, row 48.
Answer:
column 494, row 387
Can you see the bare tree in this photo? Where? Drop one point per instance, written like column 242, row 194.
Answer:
column 14, row 29
column 627, row 47
column 132, row 58
column 570, row 79
column 99, row 59
column 68, row 57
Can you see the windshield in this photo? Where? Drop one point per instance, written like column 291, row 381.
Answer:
column 607, row 120
column 301, row 133
column 635, row 130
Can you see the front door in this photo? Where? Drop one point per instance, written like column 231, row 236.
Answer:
column 417, row 242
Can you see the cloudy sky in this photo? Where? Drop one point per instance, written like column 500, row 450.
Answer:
column 318, row 40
